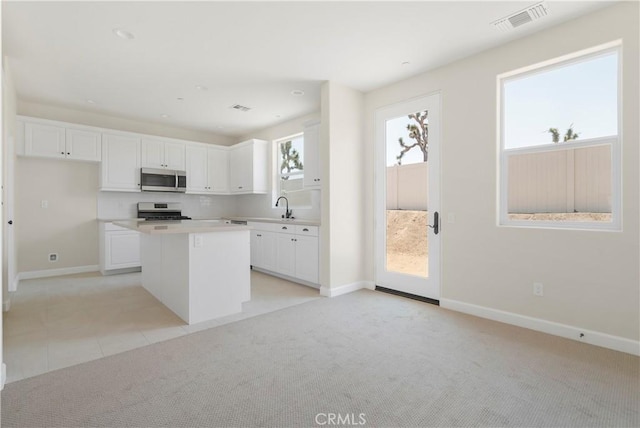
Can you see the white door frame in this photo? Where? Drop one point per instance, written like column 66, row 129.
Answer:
column 419, row 286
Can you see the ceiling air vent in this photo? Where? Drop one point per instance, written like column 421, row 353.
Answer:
column 240, row 107
column 522, row 17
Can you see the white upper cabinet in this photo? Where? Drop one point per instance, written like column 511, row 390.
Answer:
column 207, row 169
column 248, row 167
column 197, row 179
column 84, row 145
column 120, row 168
column 159, row 154
column 218, row 169
column 44, row 140
column 312, row 155
column 58, row 142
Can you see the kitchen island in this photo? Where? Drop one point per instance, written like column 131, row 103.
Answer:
column 199, row 269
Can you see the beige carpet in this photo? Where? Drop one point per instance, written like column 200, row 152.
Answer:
column 365, row 357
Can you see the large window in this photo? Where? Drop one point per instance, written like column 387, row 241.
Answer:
column 560, row 144
column 289, row 157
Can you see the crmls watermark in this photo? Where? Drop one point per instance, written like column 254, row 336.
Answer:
column 340, row 419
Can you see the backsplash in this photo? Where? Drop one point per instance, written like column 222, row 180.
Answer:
column 123, row 205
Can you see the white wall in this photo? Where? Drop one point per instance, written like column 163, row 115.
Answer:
column 343, row 206
column 68, row 225
column 590, row 278
column 262, row 205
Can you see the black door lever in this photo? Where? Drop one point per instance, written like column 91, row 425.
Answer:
column 436, row 223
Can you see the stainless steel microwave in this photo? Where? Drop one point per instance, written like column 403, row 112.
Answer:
column 162, row 180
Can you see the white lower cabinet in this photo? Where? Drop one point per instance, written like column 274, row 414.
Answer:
column 263, row 249
column 288, row 250
column 119, row 248
column 307, row 258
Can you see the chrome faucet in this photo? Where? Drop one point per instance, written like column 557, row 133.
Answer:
column 287, row 213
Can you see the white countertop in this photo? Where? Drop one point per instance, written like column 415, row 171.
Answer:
column 180, row 226
column 298, row 221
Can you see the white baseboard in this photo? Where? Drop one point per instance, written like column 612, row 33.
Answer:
column 3, row 376
column 6, row 305
column 56, row 272
column 346, row 288
column 570, row 332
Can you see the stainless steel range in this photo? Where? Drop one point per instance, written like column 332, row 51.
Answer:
column 161, row 211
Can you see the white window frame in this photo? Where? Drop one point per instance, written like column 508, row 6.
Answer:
column 277, row 175
column 614, row 141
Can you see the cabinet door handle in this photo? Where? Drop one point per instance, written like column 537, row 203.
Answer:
column 258, row 235
column 62, row 153
column 284, row 227
column 305, row 230
column 69, row 153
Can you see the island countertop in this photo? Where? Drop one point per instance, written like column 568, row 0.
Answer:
column 180, row 226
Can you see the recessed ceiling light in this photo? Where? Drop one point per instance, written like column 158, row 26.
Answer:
column 123, row 34
column 201, row 88
column 90, row 102
column 166, row 116
column 297, row 92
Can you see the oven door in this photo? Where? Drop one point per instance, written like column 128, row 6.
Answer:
column 162, row 180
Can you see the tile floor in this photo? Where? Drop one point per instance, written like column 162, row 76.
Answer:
column 63, row 321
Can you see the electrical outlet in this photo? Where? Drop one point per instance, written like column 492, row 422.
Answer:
column 538, row 289
column 44, row 203
column 198, row 241
column 53, row 257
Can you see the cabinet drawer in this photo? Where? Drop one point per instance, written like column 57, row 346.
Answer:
column 286, row 228
column 307, row 230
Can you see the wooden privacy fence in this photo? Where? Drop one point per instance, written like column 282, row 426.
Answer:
column 407, row 187
column 560, row 181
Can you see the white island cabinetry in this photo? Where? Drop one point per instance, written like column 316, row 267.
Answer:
column 198, row 269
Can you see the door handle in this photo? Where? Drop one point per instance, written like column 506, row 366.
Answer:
column 436, row 223
column 10, row 222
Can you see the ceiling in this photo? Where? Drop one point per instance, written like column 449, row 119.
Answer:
column 249, row 53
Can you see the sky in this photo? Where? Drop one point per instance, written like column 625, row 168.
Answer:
column 397, row 128
column 583, row 94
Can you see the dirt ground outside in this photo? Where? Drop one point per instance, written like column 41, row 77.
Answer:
column 407, row 250
column 605, row 217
